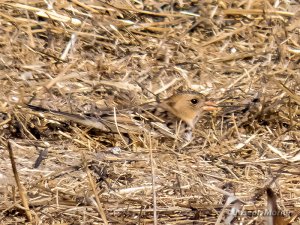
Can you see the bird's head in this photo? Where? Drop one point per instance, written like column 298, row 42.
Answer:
column 187, row 106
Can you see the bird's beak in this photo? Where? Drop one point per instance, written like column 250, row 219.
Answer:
column 210, row 106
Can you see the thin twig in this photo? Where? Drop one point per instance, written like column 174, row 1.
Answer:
column 153, row 182
column 22, row 191
column 93, row 186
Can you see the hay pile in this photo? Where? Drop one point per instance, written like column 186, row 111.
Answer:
column 84, row 56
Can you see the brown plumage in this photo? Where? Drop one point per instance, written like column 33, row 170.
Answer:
column 179, row 112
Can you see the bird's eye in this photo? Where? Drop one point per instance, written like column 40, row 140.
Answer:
column 194, row 101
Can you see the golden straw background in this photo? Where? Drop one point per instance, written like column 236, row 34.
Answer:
column 82, row 56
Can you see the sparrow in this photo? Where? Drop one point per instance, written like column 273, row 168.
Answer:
column 173, row 117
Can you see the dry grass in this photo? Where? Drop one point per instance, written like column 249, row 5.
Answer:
column 78, row 55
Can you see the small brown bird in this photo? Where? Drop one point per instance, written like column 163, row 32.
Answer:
column 175, row 117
